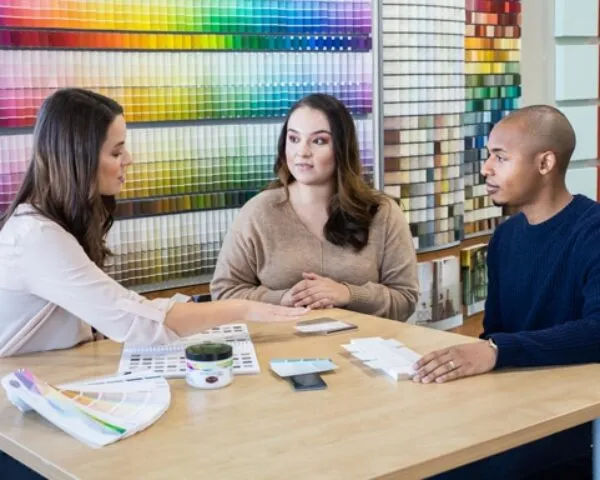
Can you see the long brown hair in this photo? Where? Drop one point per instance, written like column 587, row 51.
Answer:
column 61, row 182
column 354, row 202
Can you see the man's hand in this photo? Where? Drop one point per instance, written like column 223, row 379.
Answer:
column 455, row 362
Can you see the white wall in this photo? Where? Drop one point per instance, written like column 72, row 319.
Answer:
column 560, row 52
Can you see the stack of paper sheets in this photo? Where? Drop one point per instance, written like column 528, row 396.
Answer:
column 389, row 356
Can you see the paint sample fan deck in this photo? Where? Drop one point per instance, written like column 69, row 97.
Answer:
column 96, row 412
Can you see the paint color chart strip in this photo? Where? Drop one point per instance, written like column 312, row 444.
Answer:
column 157, row 249
column 207, row 16
column 184, row 168
column 74, row 40
column 423, row 104
column 162, row 86
column 492, row 31
column 473, row 43
column 492, row 91
column 493, row 6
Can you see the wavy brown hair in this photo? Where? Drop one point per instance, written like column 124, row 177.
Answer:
column 354, row 203
column 61, row 182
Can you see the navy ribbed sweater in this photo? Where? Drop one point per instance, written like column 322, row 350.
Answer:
column 543, row 305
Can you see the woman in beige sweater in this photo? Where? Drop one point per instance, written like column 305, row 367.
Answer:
column 320, row 236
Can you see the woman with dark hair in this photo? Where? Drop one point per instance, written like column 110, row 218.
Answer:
column 320, row 236
column 52, row 243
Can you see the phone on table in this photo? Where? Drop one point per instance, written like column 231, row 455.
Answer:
column 307, row 381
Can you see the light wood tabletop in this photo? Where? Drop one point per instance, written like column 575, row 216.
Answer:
column 364, row 425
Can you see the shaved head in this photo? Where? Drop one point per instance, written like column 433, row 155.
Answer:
column 544, row 128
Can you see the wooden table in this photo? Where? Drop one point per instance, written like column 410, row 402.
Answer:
column 363, row 425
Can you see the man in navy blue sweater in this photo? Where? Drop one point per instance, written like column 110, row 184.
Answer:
column 543, row 305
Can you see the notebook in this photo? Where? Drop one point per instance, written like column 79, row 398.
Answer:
column 97, row 412
column 169, row 360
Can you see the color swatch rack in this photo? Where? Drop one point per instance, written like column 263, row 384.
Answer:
column 450, row 71
column 166, row 247
column 229, row 69
column 492, row 55
column 423, row 104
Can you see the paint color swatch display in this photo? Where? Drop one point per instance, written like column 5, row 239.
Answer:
column 167, row 86
column 423, row 104
column 229, row 69
column 167, row 247
column 206, row 16
column 184, row 168
column 492, row 55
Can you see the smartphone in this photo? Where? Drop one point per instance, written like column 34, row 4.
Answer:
column 307, row 381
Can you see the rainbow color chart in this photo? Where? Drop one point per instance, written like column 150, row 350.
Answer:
column 295, row 17
column 204, row 85
column 166, row 86
column 164, row 41
column 492, row 55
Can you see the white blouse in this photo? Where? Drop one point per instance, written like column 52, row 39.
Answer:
column 51, row 293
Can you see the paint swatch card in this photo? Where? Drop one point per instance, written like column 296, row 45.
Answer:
column 286, row 367
column 97, row 412
column 323, row 326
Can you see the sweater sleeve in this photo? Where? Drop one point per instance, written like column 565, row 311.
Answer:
column 55, row 267
column 395, row 296
column 576, row 341
column 235, row 274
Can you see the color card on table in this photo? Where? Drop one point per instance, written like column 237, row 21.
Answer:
column 166, row 86
column 492, row 56
column 423, row 104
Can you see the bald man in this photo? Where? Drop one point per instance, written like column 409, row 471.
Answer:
column 543, row 305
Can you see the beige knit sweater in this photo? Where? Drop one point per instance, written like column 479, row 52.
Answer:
column 268, row 248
